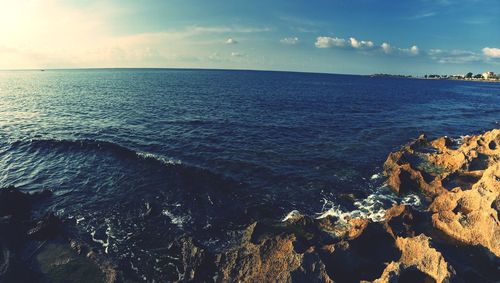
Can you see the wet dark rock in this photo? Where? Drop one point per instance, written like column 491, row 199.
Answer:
column 15, row 203
column 362, row 258
column 406, row 221
column 42, row 250
column 312, row 270
column 46, row 228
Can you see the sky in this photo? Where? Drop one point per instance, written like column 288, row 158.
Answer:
column 335, row 36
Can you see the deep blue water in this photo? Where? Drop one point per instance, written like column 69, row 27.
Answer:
column 213, row 150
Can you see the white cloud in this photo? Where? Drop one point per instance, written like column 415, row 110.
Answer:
column 360, row 44
column 414, row 50
column 231, row 41
column 491, row 52
column 386, row 47
column 290, row 40
column 328, row 42
column 364, row 45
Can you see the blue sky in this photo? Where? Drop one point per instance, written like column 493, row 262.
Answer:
column 338, row 36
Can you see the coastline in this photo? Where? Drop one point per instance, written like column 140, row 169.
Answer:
column 433, row 79
column 453, row 235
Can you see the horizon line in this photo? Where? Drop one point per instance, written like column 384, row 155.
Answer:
column 181, row 69
column 209, row 69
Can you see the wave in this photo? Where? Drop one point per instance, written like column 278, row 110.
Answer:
column 94, row 145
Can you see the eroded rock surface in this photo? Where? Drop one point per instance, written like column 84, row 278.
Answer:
column 462, row 185
column 418, row 259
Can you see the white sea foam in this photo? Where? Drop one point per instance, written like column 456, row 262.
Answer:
column 79, row 219
column 294, row 214
column 164, row 160
column 372, row 207
column 174, row 219
column 104, row 243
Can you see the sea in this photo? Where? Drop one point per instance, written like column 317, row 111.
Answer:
column 139, row 158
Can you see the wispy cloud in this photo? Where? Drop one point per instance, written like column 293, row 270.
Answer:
column 454, row 56
column 302, row 25
column 413, row 50
column 421, row 16
column 222, row 29
column 477, row 21
column 290, row 40
column 238, row 54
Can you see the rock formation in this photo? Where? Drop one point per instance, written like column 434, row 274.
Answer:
column 461, row 181
column 454, row 236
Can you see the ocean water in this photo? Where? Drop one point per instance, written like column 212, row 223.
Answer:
column 208, row 151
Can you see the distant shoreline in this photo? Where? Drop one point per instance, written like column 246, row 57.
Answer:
column 382, row 75
column 434, row 79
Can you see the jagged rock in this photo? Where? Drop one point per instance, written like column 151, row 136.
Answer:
column 351, row 229
column 461, row 181
column 273, row 258
column 469, row 216
column 466, row 213
column 405, row 221
column 254, row 259
column 311, row 269
column 461, row 185
column 419, row 262
column 362, row 258
column 423, row 165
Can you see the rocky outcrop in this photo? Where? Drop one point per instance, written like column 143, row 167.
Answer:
column 452, row 237
column 43, row 249
column 462, row 185
column 469, row 216
column 418, row 260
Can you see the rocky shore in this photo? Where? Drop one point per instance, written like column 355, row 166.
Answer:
column 454, row 236
column 43, row 248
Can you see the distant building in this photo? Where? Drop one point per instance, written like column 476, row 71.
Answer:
column 489, row 75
